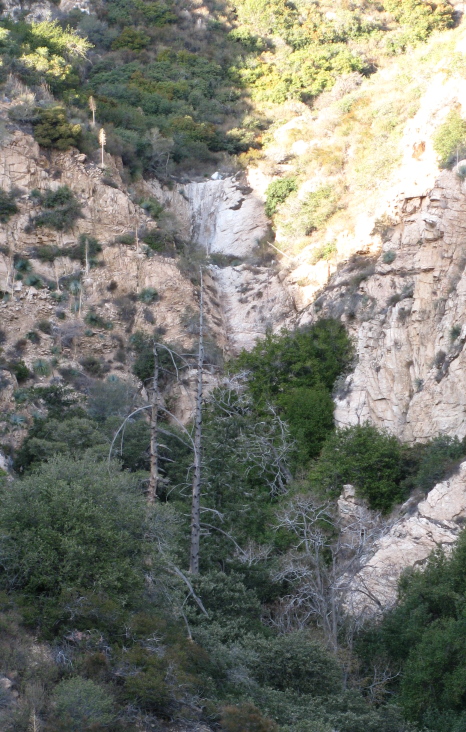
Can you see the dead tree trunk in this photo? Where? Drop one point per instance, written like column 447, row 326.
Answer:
column 196, row 498
column 154, row 448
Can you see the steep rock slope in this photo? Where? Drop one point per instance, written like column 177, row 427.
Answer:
column 433, row 523
column 111, row 291
column 407, row 317
column 225, row 216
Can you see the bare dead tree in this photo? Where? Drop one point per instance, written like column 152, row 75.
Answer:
column 327, row 555
column 268, row 448
column 154, row 448
column 263, row 445
column 155, row 407
column 196, row 494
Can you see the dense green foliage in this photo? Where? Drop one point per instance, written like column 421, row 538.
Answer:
column 296, row 371
column 43, row 52
column 365, row 458
column 60, row 211
column 277, row 192
column 312, row 356
column 81, row 703
column 60, row 537
column 260, row 640
column 173, row 89
column 424, row 636
column 52, row 129
column 85, row 558
column 382, row 469
column 450, row 139
column 8, row 206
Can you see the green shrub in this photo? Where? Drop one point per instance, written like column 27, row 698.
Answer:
column 41, row 367
column 421, row 18
column 316, row 208
column 56, row 435
column 45, row 326
column 132, row 39
column 52, row 129
column 229, row 603
column 246, row 718
column 439, row 457
column 74, row 525
column 92, row 365
column 148, row 295
column 309, row 413
column 324, row 251
column 95, row 320
column 308, row 357
column 20, row 370
column 33, row 336
column 455, row 332
column 127, row 239
column 23, row 265
column 8, row 207
column 61, row 210
column 149, row 684
column 153, row 207
column 450, row 139
column 389, row 257
column 366, row 458
column 295, row 662
column 86, row 246
column 33, row 280
column 81, row 704
column 47, row 253
column 159, row 241
column 277, row 192
column 424, row 637
column 296, row 372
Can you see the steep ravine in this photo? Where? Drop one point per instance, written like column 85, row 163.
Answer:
column 406, row 307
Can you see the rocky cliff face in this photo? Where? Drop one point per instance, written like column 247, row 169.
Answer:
column 406, row 309
column 225, row 216
column 110, row 290
column 433, row 523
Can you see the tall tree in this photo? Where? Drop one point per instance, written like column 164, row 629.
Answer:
column 196, row 496
column 154, row 448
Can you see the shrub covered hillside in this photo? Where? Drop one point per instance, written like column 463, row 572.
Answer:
column 107, row 623
column 103, row 626
column 186, row 83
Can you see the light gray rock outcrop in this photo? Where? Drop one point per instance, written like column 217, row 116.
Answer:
column 407, row 312
column 433, row 524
